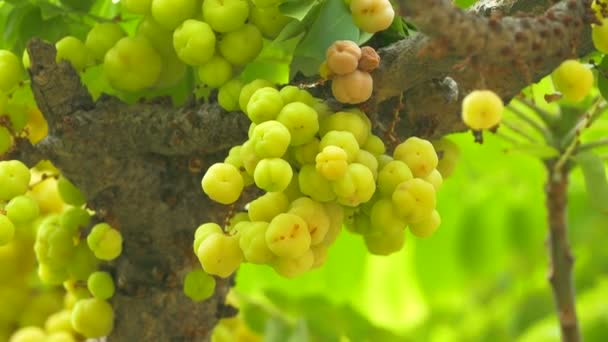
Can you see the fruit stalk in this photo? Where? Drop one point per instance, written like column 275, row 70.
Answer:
column 561, row 259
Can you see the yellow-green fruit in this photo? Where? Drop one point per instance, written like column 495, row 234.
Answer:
column 372, row 15
column 482, row 109
column 599, row 34
column 293, row 267
column 287, row 236
column 93, row 318
column 223, row 183
column 427, row 226
column 28, row 334
column 573, row 79
column 220, row 254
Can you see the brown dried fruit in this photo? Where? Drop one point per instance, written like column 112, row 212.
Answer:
column 369, row 59
column 353, row 88
column 343, row 57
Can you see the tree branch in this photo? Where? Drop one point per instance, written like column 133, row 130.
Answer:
column 500, row 52
column 561, row 260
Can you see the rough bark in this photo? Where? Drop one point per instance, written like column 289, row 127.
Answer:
column 561, row 260
column 132, row 161
column 493, row 46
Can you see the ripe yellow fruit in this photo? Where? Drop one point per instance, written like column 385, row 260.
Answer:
column 353, row 88
column 372, row 15
column 37, row 126
column 482, row 109
column 573, row 79
column 599, row 34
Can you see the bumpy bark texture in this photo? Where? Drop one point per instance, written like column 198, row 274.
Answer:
column 133, row 164
column 132, row 161
column 493, row 46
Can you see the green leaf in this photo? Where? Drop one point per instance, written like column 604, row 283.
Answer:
column 333, row 23
column 300, row 333
column 465, row 3
column 298, row 9
column 602, row 80
column 364, row 37
column 596, row 183
column 277, row 330
column 49, row 11
column 13, row 23
column 535, row 150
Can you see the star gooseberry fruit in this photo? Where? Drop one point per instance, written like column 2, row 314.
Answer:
column 482, row 109
column 573, row 79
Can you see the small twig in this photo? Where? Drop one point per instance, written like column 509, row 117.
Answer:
column 591, row 145
column 563, row 159
column 561, row 259
column 507, row 138
column 538, row 127
column 546, row 116
column 512, row 126
column 586, row 121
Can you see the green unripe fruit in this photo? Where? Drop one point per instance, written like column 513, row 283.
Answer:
column 132, row 64
column 194, row 42
column 22, row 209
column 10, row 70
column 7, row 230
column 225, row 15
column 248, row 90
column 241, row 46
column 220, row 254
column 215, row 72
column 427, row 226
column 269, row 20
column 301, row 120
column 271, row 139
column 105, row 241
column 14, row 179
column 253, row 242
column 93, row 317
column 223, row 183
column 228, row 95
column 272, row 174
column 101, row 285
column 171, row 13
column 287, row 236
column 265, row 104
column 204, row 231
column 74, row 51
column 137, row 6
column 102, row 37
column 199, row 285
column 6, row 140
column 69, row 192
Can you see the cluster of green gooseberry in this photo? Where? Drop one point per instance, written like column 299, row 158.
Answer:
column 319, row 170
column 47, row 215
column 217, row 38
